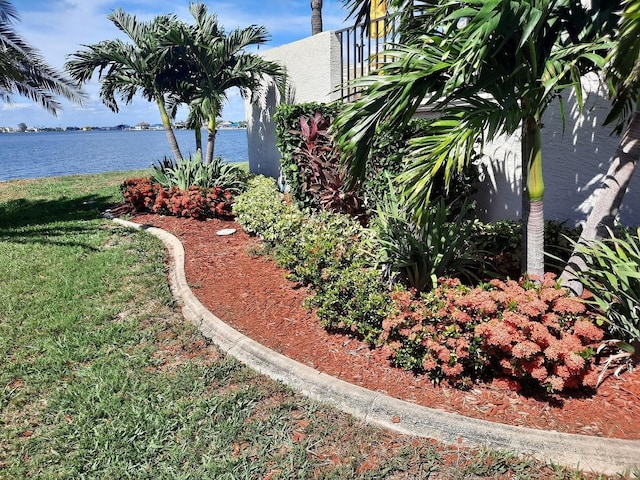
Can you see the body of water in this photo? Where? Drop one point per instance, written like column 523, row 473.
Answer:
column 49, row 154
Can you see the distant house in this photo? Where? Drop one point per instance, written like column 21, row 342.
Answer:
column 142, row 126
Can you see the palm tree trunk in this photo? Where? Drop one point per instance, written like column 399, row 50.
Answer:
column 316, row 16
column 198, row 134
column 607, row 200
column 532, row 211
column 211, row 138
column 166, row 123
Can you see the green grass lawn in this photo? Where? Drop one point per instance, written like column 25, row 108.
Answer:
column 101, row 377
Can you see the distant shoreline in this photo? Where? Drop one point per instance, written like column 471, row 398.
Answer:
column 100, row 129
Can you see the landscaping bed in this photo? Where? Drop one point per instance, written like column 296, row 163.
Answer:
column 251, row 294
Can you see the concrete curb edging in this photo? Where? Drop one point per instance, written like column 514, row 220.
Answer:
column 603, row 455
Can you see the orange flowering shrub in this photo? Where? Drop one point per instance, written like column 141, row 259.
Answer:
column 525, row 333
column 144, row 195
column 140, row 193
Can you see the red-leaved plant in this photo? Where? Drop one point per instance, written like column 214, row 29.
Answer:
column 144, row 195
column 521, row 333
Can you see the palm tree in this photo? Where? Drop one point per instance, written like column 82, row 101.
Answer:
column 131, row 68
column 25, row 72
column 216, row 62
column 487, row 68
column 623, row 73
column 316, row 16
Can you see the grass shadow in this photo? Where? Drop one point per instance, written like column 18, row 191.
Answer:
column 52, row 222
column 22, row 212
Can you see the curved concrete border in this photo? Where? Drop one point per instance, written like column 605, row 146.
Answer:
column 595, row 454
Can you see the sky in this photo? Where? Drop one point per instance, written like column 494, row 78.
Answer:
column 57, row 28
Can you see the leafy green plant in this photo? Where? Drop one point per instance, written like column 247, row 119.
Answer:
column 613, row 278
column 420, row 254
column 353, row 299
column 262, row 211
column 186, row 173
column 326, row 250
column 500, row 244
column 387, row 159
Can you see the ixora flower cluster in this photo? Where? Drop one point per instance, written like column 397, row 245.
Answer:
column 520, row 334
column 145, row 195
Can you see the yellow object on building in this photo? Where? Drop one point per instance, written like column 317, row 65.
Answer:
column 378, row 10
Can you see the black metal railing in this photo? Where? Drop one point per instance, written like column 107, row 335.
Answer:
column 363, row 52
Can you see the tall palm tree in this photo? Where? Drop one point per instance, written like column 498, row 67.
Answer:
column 25, row 72
column 216, row 62
column 316, row 16
column 487, row 68
column 131, row 68
column 623, row 73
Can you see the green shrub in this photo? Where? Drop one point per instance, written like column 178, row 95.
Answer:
column 354, row 299
column 613, row 277
column 387, row 160
column 328, row 251
column 324, row 241
column 188, row 172
column 262, row 212
column 420, row 254
column 500, row 244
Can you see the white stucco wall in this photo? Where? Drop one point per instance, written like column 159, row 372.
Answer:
column 313, row 67
column 574, row 162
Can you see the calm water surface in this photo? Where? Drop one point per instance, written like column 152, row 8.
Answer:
column 49, row 154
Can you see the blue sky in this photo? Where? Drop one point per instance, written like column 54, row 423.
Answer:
column 60, row 27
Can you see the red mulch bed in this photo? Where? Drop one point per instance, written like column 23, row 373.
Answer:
column 253, row 296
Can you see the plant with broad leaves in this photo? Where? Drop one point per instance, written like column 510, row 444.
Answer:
column 421, row 253
column 321, row 176
column 613, row 278
column 186, row 173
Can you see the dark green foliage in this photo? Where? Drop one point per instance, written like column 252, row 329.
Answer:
column 501, row 244
column 387, row 160
column 325, row 241
column 419, row 254
column 355, row 300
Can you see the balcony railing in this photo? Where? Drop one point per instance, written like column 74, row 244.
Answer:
column 362, row 52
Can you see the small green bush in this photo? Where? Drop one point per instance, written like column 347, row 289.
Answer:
column 262, row 212
column 188, row 172
column 613, row 277
column 420, row 254
column 326, row 250
column 354, row 299
column 324, row 241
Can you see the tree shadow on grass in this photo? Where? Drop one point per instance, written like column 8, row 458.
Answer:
column 55, row 222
